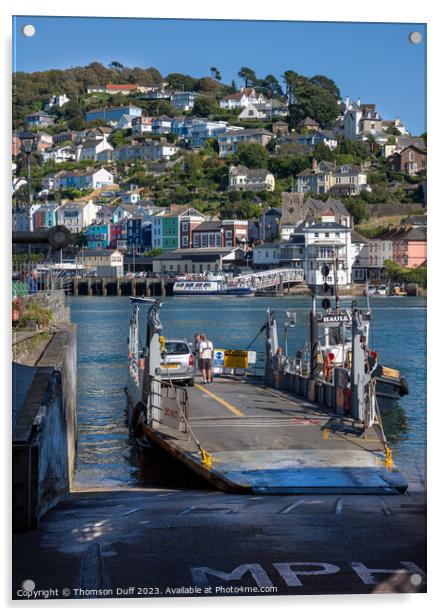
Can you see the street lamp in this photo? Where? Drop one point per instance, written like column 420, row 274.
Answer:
column 28, row 140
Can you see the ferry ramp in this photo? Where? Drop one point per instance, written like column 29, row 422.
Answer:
column 264, row 441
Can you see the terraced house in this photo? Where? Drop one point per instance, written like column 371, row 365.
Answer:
column 175, row 229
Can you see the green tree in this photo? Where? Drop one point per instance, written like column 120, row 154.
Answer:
column 270, row 87
column 356, row 206
column 392, row 130
column 179, row 81
column 326, row 84
column 215, row 73
column 252, row 155
column 248, row 75
column 116, row 65
column 315, row 102
column 322, row 152
column 203, row 107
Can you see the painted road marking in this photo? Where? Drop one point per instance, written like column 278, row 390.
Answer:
column 228, row 406
column 339, row 506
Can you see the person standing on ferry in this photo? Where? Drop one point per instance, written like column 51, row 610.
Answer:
column 206, row 359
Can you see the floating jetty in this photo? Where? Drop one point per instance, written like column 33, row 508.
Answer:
column 244, row 434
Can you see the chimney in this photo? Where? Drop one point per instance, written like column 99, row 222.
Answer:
column 314, row 164
column 347, row 102
column 358, row 102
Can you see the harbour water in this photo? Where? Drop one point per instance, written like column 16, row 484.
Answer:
column 105, row 455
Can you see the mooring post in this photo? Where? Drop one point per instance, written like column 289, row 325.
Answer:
column 90, row 290
column 118, row 287
column 133, row 287
column 147, row 288
column 104, row 286
column 162, row 287
column 76, row 286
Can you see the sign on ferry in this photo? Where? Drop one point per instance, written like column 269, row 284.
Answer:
column 334, row 318
column 235, row 359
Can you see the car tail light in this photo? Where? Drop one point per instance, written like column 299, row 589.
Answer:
column 191, row 360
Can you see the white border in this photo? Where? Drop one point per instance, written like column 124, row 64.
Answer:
column 323, row 10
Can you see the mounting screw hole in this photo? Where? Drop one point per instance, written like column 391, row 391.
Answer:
column 28, row 30
column 415, row 38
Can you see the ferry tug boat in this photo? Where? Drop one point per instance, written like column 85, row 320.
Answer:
column 333, row 349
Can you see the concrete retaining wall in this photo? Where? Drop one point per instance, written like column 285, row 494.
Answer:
column 44, row 439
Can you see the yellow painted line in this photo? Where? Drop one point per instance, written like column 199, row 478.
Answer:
column 220, row 400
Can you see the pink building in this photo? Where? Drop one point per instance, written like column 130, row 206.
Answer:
column 409, row 246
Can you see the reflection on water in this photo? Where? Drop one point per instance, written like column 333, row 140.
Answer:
column 105, row 455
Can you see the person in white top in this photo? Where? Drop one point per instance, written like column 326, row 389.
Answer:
column 206, row 359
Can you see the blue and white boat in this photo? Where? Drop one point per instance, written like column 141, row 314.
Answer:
column 211, row 285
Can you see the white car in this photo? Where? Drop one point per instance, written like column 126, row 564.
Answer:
column 178, row 363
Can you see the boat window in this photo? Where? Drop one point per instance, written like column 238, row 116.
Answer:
column 176, row 348
column 198, row 285
column 179, row 285
column 190, row 285
column 207, row 285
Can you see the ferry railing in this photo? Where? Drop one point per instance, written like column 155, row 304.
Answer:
column 48, row 277
column 169, row 405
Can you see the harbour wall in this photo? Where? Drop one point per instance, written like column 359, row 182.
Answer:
column 44, row 428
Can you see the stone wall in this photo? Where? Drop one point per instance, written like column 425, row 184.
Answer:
column 394, row 209
column 54, row 300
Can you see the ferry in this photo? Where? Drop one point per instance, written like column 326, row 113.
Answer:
column 275, row 445
column 210, row 285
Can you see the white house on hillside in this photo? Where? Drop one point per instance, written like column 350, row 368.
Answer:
column 94, row 149
column 242, row 98
column 242, row 178
column 75, row 215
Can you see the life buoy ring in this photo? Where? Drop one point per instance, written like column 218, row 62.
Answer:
column 327, row 366
column 137, row 421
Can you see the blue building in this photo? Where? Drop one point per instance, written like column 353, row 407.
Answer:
column 146, row 235
column 134, row 234
column 98, row 236
column 113, row 114
column 184, row 100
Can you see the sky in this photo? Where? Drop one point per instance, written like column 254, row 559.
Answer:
column 371, row 61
